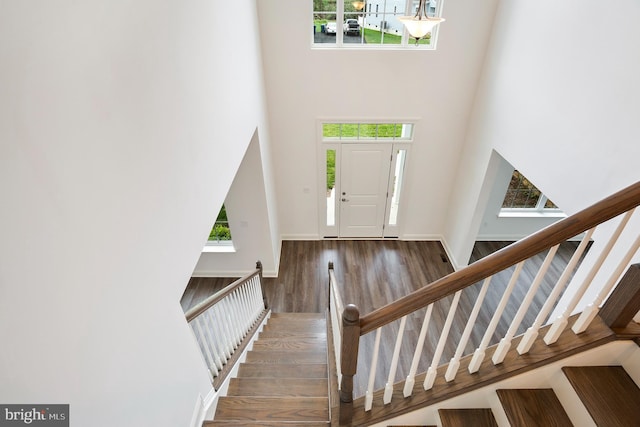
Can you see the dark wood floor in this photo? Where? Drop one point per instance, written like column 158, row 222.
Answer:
column 371, row 273
column 374, row 273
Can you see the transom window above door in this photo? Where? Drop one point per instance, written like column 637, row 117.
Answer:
column 370, row 24
column 361, row 176
column 367, row 131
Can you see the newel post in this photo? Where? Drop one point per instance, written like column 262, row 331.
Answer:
column 349, row 351
column 624, row 302
column 264, row 294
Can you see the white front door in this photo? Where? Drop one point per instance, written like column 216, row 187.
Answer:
column 364, row 180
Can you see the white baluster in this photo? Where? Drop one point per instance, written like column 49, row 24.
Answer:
column 256, row 296
column 204, row 347
column 223, row 325
column 432, row 371
column 505, row 343
column 388, row 388
column 245, row 308
column 454, row 364
column 251, row 313
column 532, row 333
column 478, row 355
column 561, row 322
column 256, row 306
column 207, row 318
column 411, row 378
column 227, row 304
column 337, row 339
column 237, row 314
column 212, row 344
column 590, row 312
column 368, row 397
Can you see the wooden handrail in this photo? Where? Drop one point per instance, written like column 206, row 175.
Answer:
column 602, row 211
column 213, row 299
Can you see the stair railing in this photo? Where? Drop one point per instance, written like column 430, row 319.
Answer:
column 223, row 323
column 622, row 203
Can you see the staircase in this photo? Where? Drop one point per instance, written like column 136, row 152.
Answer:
column 283, row 381
column 608, row 393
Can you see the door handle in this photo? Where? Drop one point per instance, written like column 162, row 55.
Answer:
column 345, row 200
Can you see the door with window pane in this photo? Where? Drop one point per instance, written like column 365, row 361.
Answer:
column 364, row 181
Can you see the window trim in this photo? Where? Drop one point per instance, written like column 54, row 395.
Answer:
column 223, row 246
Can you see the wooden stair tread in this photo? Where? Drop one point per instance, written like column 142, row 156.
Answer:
column 295, row 337
column 272, row 409
column 301, row 344
column 279, row 370
column 533, row 408
column 284, row 334
column 293, row 387
column 296, row 329
column 301, row 321
column 282, row 356
column 298, row 316
column 608, row 393
column 297, row 322
column 476, row 417
column 284, row 379
column 267, row 424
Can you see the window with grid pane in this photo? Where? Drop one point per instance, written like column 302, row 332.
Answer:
column 522, row 194
column 371, row 24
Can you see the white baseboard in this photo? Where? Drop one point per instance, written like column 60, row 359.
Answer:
column 511, row 237
column 200, row 411
column 222, row 273
column 422, row 237
column 300, row 237
column 437, row 238
column 454, row 262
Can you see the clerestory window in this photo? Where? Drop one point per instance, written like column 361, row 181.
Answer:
column 367, row 131
column 371, row 24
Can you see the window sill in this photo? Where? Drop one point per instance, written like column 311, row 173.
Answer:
column 213, row 247
column 527, row 213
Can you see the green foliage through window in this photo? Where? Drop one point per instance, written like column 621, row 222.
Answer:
column 220, row 231
column 522, row 194
column 331, row 169
column 367, row 131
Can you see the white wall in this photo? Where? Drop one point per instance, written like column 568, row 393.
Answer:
column 248, row 214
column 559, row 99
column 121, row 127
column 434, row 87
